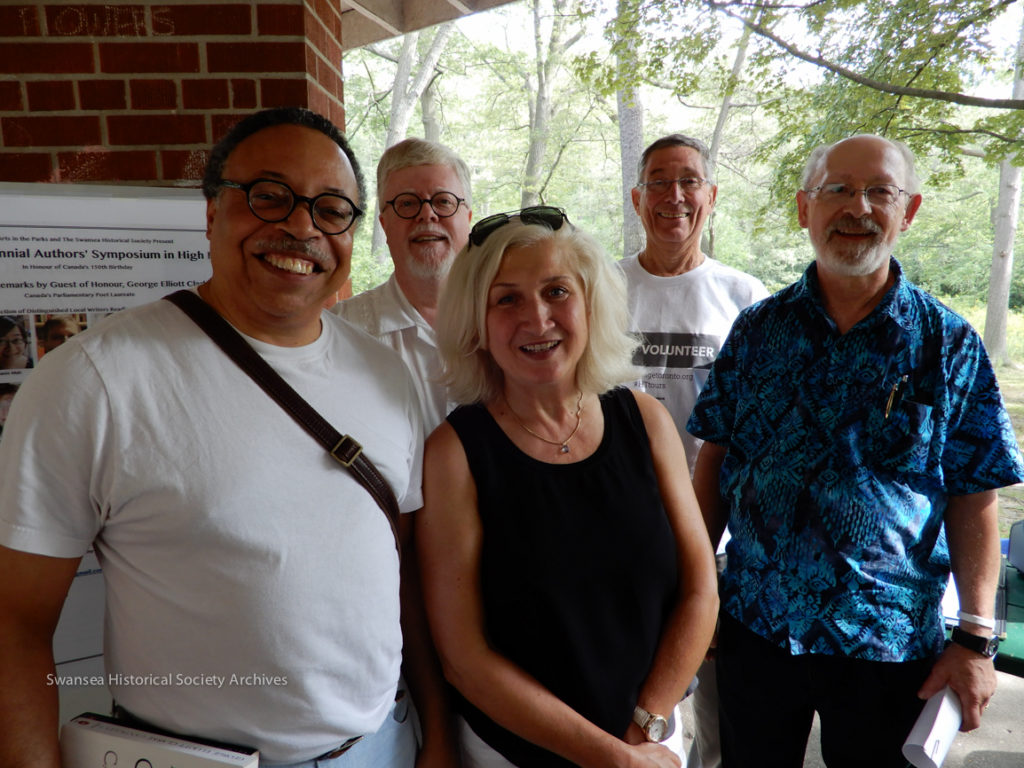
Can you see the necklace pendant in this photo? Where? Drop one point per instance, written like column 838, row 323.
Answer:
column 565, row 448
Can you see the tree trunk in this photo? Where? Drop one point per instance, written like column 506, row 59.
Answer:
column 1005, row 221
column 539, row 88
column 402, row 103
column 406, row 92
column 716, row 138
column 540, row 104
column 630, row 113
column 403, row 99
column 631, row 137
column 1002, row 263
column 431, row 120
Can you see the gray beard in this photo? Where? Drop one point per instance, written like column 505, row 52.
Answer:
column 861, row 261
column 430, row 271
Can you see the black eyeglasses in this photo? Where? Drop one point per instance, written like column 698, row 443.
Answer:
column 551, row 217
column 274, row 201
column 408, row 205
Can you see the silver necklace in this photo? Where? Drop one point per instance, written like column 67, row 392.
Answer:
column 563, row 444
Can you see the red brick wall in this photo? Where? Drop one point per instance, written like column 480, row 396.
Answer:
column 138, row 92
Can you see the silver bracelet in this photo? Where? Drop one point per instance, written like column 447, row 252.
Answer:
column 981, row 621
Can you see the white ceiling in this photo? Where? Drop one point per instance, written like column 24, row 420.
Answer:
column 367, row 21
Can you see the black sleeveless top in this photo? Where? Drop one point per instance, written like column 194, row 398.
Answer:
column 578, row 568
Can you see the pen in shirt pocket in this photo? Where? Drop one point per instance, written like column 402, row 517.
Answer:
column 896, row 394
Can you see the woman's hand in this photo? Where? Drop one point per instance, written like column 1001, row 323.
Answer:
column 651, row 755
column 647, row 752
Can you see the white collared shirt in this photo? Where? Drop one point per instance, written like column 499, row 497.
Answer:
column 385, row 312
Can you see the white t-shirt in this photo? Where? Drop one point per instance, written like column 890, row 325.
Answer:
column 684, row 320
column 252, row 584
column 385, row 313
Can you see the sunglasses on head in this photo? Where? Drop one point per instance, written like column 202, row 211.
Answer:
column 548, row 215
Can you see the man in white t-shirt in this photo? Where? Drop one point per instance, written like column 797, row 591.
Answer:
column 682, row 303
column 253, row 591
column 423, row 190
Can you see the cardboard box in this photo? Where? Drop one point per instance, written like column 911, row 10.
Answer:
column 97, row 741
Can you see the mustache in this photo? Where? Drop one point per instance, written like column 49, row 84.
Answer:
column 849, row 222
column 299, row 247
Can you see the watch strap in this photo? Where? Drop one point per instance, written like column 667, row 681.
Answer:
column 986, row 646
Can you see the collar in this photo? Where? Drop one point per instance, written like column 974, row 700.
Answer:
column 896, row 305
column 396, row 312
column 642, row 254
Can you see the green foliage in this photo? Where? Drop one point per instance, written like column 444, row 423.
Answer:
column 367, row 271
column 482, row 90
column 940, row 47
column 682, row 54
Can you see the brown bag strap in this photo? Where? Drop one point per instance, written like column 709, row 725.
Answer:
column 343, row 448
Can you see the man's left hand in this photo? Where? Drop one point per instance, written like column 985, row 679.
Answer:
column 971, row 676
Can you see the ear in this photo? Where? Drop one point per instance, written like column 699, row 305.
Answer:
column 714, row 194
column 910, row 212
column 634, row 193
column 801, row 207
column 211, row 210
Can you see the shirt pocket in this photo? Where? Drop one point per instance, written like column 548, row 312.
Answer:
column 900, row 442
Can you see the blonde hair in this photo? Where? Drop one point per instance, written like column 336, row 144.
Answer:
column 413, row 152
column 469, row 370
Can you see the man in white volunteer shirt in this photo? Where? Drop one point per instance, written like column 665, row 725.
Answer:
column 426, row 205
column 683, row 304
column 232, row 546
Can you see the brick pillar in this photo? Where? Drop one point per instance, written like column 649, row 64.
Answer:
column 111, row 92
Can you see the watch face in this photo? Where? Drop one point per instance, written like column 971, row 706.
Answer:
column 993, row 646
column 656, row 728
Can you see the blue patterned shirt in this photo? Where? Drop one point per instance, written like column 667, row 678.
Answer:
column 843, row 450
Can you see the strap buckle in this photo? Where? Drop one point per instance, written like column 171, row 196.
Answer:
column 346, row 451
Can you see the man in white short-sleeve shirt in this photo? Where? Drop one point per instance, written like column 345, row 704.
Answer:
column 253, row 591
column 423, row 190
column 682, row 303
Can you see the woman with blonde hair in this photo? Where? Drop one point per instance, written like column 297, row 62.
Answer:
column 568, row 577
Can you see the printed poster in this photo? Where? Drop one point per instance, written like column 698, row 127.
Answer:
column 70, row 254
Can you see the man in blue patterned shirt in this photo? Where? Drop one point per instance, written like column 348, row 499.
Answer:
column 855, row 441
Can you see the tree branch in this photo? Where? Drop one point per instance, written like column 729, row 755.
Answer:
column 428, row 63
column 378, row 51
column 896, row 90
column 959, row 131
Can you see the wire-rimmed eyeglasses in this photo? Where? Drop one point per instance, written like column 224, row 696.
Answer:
column 274, row 201
column 408, row 205
column 877, row 195
column 661, row 186
column 548, row 215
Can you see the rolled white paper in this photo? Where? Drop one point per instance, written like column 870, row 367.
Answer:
column 933, row 733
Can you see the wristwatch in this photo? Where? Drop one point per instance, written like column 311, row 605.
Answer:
column 986, row 646
column 655, row 727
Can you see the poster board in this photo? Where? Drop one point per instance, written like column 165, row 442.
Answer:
column 71, row 254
